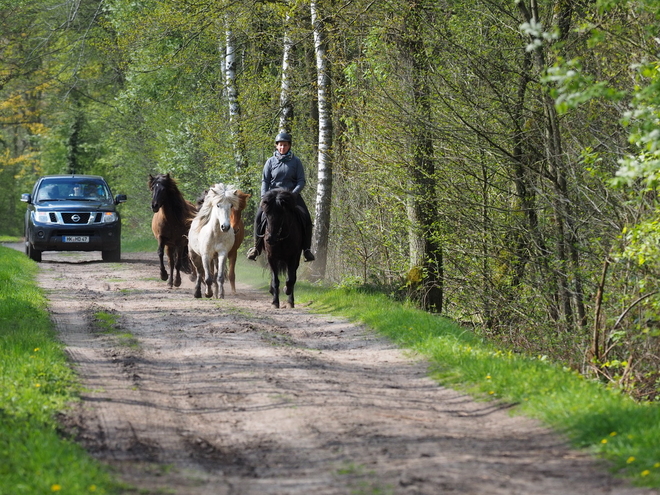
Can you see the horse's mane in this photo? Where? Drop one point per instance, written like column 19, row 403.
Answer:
column 215, row 194
column 278, row 198
column 242, row 199
column 182, row 210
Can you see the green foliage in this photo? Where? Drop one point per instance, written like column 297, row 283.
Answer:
column 36, row 383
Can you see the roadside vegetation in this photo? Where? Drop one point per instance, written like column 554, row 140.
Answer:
column 593, row 415
column 36, row 383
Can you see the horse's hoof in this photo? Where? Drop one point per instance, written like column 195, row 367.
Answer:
column 163, row 276
column 177, row 282
column 275, row 306
column 198, row 295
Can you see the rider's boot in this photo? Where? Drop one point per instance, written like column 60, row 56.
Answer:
column 308, row 255
column 252, row 253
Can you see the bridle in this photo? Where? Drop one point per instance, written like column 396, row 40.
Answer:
column 278, row 234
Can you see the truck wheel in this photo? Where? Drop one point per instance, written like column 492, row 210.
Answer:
column 112, row 256
column 33, row 254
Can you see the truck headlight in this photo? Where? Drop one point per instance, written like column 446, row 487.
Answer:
column 110, row 216
column 42, row 217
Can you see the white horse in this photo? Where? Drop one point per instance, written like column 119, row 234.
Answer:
column 210, row 239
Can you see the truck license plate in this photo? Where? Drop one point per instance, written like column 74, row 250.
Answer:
column 76, row 238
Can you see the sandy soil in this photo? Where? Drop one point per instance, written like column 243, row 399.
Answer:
column 234, row 397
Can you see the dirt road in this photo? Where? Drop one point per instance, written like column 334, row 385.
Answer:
column 233, row 397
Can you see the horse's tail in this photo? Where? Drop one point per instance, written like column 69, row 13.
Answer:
column 185, row 261
column 282, row 267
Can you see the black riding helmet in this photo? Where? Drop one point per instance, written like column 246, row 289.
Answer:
column 283, row 136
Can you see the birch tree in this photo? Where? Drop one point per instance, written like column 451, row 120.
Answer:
column 325, row 158
column 234, row 107
column 286, row 107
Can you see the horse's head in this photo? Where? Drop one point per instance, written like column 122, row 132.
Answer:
column 159, row 185
column 219, row 202
column 277, row 205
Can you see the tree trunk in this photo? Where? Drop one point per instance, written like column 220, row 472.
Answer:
column 425, row 249
column 325, row 158
column 568, row 259
column 525, row 192
column 235, row 126
column 286, row 107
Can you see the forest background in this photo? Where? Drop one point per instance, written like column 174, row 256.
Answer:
column 494, row 161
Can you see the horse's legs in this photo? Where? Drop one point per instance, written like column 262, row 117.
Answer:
column 198, row 268
column 274, row 285
column 171, row 257
column 178, row 260
column 291, row 277
column 215, row 275
column 231, row 275
column 161, row 254
column 193, row 268
column 209, row 275
column 222, row 269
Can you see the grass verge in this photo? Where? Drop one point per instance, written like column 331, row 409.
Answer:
column 596, row 418
column 36, row 383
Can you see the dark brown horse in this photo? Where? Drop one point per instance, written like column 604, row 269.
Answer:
column 283, row 241
column 170, row 225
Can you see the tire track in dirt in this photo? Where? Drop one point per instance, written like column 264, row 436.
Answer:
column 233, row 397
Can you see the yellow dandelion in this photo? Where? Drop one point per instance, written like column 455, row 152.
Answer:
column 55, row 488
column 36, row 349
column 656, row 465
column 630, row 459
column 92, row 488
column 613, row 434
column 491, row 392
column 646, row 472
column 604, row 440
column 37, row 384
column 487, row 377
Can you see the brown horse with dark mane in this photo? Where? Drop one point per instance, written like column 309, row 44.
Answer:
column 239, row 230
column 283, row 241
column 170, row 225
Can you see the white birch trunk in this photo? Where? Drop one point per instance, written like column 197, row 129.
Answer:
column 234, row 106
column 324, row 186
column 286, row 109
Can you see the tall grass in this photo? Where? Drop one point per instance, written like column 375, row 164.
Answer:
column 36, row 383
column 602, row 420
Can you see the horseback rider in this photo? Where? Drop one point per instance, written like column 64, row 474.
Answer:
column 284, row 170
